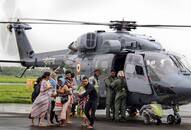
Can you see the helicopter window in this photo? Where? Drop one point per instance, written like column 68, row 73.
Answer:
column 139, row 70
column 135, row 74
column 175, row 61
column 135, row 60
column 152, row 74
column 186, row 63
column 91, row 40
column 161, row 65
column 130, row 69
column 183, row 63
column 162, row 90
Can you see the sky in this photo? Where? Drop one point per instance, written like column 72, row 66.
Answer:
column 49, row 38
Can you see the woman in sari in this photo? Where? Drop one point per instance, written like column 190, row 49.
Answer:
column 41, row 104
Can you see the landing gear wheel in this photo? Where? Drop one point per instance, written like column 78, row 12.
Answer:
column 146, row 119
column 170, row 119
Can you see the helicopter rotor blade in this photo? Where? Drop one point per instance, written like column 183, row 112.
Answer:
column 116, row 25
column 7, row 38
column 54, row 23
column 49, row 21
column 71, row 22
column 65, row 21
column 168, row 26
column 96, row 23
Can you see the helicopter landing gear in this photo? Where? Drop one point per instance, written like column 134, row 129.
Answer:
column 174, row 119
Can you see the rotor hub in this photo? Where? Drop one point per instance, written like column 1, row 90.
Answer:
column 123, row 25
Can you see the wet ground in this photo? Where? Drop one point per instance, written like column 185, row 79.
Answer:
column 14, row 117
column 21, row 122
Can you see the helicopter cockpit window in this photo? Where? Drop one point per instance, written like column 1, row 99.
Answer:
column 161, row 65
column 184, row 64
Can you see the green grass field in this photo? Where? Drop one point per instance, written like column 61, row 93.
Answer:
column 15, row 94
column 13, row 79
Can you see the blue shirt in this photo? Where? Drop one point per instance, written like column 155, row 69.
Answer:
column 53, row 83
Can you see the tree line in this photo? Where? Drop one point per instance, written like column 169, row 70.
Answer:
column 10, row 71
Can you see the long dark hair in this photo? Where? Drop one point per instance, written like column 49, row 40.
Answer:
column 46, row 74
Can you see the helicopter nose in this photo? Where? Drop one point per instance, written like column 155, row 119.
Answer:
column 183, row 92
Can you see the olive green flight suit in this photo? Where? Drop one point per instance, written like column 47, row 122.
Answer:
column 110, row 96
column 120, row 87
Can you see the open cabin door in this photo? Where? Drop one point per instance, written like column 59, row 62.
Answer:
column 136, row 76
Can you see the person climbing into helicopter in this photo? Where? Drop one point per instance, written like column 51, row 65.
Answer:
column 120, row 87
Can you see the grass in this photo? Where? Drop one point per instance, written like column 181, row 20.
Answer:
column 13, row 79
column 15, row 94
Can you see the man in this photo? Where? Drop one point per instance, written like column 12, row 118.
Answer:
column 94, row 79
column 91, row 104
column 110, row 94
column 120, row 88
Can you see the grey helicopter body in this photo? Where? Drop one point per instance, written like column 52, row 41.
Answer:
column 151, row 73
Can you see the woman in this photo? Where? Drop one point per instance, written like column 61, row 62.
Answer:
column 40, row 105
column 81, row 106
column 65, row 113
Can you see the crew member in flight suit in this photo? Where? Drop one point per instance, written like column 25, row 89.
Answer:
column 120, row 87
column 110, row 94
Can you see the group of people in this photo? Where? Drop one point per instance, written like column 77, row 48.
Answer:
column 53, row 98
column 116, row 99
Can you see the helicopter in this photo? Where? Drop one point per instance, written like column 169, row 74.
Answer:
column 151, row 73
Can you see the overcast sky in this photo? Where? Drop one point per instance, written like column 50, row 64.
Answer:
column 48, row 38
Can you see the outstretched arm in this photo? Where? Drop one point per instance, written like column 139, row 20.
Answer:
column 87, row 92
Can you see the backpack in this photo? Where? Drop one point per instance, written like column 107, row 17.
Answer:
column 35, row 92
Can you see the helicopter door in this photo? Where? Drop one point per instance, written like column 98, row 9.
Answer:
column 135, row 73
